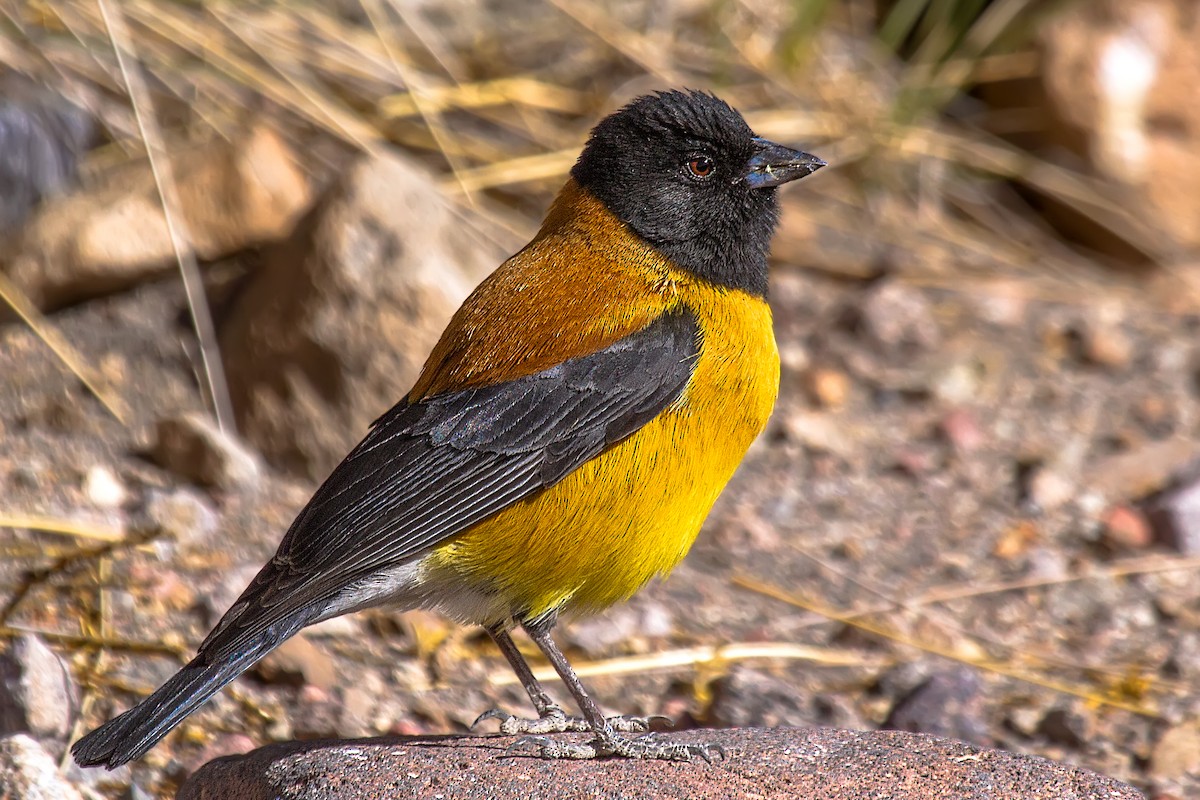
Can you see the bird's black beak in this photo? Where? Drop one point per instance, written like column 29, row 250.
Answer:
column 775, row 164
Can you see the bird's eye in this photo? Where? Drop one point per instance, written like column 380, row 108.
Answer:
column 701, row 166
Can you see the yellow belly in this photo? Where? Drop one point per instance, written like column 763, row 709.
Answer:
column 631, row 514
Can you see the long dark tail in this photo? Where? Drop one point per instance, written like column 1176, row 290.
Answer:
column 137, row 730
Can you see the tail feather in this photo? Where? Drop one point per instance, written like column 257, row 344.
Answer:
column 131, row 734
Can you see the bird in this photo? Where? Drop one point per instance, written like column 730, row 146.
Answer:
column 566, row 438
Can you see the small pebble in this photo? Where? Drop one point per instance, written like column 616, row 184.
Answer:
column 103, row 488
column 1126, row 528
column 961, row 429
column 1105, row 346
column 1047, row 489
column 1175, row 517
column 957, row 383
column 828, row 388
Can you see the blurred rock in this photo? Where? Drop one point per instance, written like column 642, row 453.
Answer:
column 957, row 382
column 193, row 446
column 317, row 714
column 182, row 515
column 1047, row 488
column 828, row 388
column 747, row 697
column 948, row 703
column 898, row 319
column 794, row 356
column 94, row 783
column 37, row 695
column 299, row 662
column 598, row 636
column 1104, row 345
column 916, row 461
column 1141, row 471
column 1118, row 80
column 220, row 744
column 103, row 488
column 961, row 429
column 1004, row 304
column 1126, row 528
column 603, row 634
column 1065, row 727
column 1177, row 752
column 363, row 705
column 335, row 326
column 1174, row 515
column 27, row 772
column 779, row 763
column 818, row 431
column 1024, row 720
column 42, row 136
column 136, row 792
column 219, row 598
column 233, row 194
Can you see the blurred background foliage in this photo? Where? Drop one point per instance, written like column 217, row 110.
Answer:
column 939, row 116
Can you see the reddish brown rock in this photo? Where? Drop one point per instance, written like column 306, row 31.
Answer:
column 1126, row 528
column 761, row 763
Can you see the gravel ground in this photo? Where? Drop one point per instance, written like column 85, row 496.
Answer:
column 954, row 524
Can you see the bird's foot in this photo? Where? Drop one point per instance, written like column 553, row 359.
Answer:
column 555, row 721
column 609, row 744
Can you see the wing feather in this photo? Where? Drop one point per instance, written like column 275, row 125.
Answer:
column 432, row 468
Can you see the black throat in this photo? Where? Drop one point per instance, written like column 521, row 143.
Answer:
column 727, row 249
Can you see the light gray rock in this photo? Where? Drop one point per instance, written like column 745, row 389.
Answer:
column 182, row 515
column 1175, row 515
column 27, row 772
column 37, row 695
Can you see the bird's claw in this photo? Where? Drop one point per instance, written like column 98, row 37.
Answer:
column 557, row 722
column 642, row 748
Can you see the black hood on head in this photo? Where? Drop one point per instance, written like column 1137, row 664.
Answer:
column 684, row 170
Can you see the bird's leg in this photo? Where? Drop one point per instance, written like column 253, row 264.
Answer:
column 551, row 718
column 605, row 741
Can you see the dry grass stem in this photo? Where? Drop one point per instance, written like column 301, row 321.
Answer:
column 71, row 358
column 63, row 527
column 694, row 657
column 854, row 620
column 164, row 181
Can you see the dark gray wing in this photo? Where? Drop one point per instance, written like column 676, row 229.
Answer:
column 429, row 470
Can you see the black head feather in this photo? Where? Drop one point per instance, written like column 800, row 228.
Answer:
column 674, row 166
